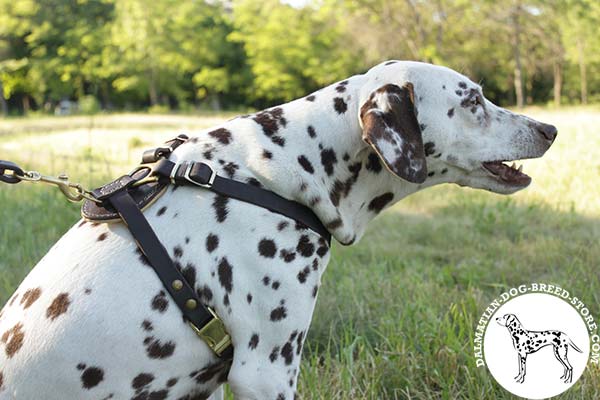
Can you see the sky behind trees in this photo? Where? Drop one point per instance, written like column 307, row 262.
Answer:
column 135, row 54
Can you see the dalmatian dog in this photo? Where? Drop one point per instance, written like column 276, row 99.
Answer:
column 92, row 320
column 528, row 342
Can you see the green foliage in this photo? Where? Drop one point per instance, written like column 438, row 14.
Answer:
column 132, row 54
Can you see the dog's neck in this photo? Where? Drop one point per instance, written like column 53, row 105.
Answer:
column 343, row 182
column 311, row 151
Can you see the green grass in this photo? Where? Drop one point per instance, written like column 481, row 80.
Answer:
column 397, row 312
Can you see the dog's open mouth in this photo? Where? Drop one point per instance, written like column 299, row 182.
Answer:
column 511, row 175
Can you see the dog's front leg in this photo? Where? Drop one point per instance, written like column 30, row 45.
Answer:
column 522, row 367
column 267, row 355
column 516, row 378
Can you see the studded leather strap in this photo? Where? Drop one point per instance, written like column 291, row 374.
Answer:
column 182, row 293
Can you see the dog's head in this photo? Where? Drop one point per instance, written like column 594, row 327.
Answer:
column 430, row 122
column 508, row 320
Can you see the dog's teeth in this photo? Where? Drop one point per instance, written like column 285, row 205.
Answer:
column 514, row 165
column 520, row 169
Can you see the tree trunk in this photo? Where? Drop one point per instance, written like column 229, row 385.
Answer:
column 557, row 82
column 582, row 71
column 3, row 104
column 26, row 104
column 518, row 72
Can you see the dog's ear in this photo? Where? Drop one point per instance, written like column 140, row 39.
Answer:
column 391, row 128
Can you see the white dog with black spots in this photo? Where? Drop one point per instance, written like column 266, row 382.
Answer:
column 92, row 320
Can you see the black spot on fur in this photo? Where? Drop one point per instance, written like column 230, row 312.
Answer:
column 205, row 294
column 379, row 202
column 462, row 85
column 274, row 354
column 91, row 377
column 271, row 121
column 253, row 181
column 373, row 163
column 160, row 302
column 334, row 224
column 311, row 131
column 287, row 352
column 177, row 251
column 303, row 274
column 340, row 105
column 267, row 154
column 305, row 246
column 161, row 211
column 142, row 380
column 451, row 113
column 279, row 313
column 323, row 248
column 172, row 382
column 220, row 206
column 222, row 135
column 306, row 165
column 155, row 349
column 390, row 63
column 342, row 189
column 226, row 274
column 328, row 159
column 249, row 298
column 102, row 236
column 147, row 326
column 287, row 255
column 230, row 169
column 253, row 342
column 212, row 242
column 310, row 98
column 430, row 174
column 267, row 248
column 444, row 170
column 278, row 140
column 429, row 148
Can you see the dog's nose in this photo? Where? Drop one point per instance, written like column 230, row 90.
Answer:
column 547, row 130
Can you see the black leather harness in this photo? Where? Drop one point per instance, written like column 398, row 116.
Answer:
column 126, row 197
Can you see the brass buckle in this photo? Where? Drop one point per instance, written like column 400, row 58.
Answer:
column 214, row 334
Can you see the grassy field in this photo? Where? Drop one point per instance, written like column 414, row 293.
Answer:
column 397, row 312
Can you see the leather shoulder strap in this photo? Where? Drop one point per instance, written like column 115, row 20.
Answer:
column 206, row 323
column 201, row 174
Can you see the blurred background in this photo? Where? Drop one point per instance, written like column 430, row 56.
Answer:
column 66, row 56
column 86, row 86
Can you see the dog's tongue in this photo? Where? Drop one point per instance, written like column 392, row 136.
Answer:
column 506, row 173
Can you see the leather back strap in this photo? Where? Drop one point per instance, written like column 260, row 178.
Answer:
column 202, row 319
column 201, row 174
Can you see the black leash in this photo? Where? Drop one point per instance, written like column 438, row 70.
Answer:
column 127, row 195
